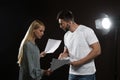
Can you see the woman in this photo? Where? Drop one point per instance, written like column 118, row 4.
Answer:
column 29, row 54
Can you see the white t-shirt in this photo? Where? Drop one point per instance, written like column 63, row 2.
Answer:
column 77, row 43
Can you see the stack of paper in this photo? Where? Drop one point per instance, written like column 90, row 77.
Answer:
column 56, row 63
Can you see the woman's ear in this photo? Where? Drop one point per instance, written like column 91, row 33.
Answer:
column 33, row 30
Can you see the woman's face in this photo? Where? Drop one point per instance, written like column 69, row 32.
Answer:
column 39, row 32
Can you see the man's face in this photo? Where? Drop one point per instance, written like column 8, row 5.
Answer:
column 64, row 25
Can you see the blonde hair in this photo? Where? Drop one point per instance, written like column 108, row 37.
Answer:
column 28, row 36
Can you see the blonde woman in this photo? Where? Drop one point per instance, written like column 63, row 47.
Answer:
column 29, row 54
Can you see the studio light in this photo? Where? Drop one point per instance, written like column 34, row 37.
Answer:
column 104, row 23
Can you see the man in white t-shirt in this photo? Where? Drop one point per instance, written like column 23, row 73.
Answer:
column 81, row 46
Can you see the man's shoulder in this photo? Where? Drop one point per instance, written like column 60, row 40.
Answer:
column 86, row 28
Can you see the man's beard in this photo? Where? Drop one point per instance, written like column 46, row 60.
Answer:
column 67, row 28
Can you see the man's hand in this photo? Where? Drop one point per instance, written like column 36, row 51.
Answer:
column 63, row 55
column 75, row 63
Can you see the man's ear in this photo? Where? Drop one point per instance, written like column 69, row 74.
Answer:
column 70, row 22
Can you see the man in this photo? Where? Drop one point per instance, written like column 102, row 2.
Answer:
column 81, row 46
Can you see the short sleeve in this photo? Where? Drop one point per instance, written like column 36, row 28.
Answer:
column 90, row 36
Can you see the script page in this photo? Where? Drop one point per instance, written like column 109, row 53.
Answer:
column 52, row 45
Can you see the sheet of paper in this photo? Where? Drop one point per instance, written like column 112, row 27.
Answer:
column 52, row 45
column 56, row 63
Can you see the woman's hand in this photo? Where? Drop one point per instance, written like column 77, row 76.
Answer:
column 48, row 72
column 42, row 54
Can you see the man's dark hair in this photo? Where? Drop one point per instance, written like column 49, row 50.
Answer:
column 65, row 15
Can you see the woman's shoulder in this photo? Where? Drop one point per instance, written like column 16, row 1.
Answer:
column 28, row 44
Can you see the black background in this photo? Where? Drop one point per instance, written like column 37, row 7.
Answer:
column 15, row 17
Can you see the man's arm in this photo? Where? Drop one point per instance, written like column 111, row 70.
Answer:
column 96, row 50
column 64, row 54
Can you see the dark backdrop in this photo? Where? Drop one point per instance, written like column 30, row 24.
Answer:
column 15, row 17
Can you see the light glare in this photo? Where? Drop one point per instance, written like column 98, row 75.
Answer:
column 106, row 23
